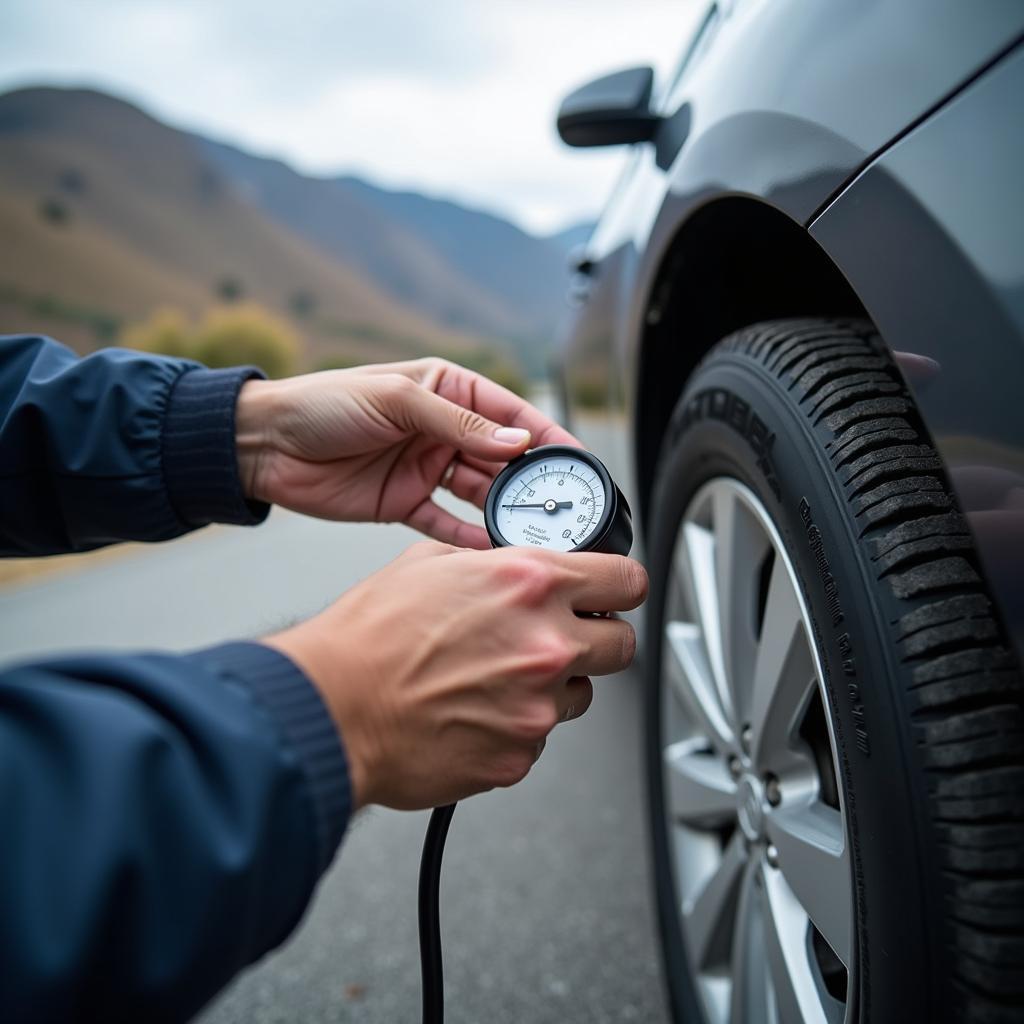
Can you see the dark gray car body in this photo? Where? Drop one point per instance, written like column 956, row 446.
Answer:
column 816, row 158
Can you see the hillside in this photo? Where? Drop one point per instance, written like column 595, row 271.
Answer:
column 465, row 268
column 109, row 214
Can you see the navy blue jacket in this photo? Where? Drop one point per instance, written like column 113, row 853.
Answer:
column 163, row 819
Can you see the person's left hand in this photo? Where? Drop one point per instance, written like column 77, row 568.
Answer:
column 372, row 443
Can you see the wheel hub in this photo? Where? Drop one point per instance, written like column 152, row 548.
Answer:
column 750, row 807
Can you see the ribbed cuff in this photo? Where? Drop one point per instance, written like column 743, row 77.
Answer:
column 306, row 727
column 198, row 452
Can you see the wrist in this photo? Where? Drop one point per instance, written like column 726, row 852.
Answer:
column 254, row 415
column 320, row 668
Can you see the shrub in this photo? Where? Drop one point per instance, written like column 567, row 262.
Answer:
column 240, row 335
column 166, row 332
column 247, row 334
column 589, row 392
column 54, row 211
column 229, row 289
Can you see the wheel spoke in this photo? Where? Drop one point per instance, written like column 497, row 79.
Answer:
column 788, row 955
column 783, row 673
column 706, row 914
column 740, row 545
column 753, row 914
column 685, row 665
column 700, row 789
column 698, row 555
column 749, row 1000
column 814, row 858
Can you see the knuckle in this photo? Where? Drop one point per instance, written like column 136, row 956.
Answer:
column 427, row 549
column 469, row 422
column 551, row 654
column 530, row 578
column 398, row 385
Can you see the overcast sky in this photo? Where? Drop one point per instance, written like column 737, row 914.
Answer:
column 455, row 98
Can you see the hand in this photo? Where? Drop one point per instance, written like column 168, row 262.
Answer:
column 372, row 444
column 446, row 670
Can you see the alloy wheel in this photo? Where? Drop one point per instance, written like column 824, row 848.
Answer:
column 755, row 815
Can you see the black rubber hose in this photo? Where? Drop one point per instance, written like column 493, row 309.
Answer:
column 431, row 965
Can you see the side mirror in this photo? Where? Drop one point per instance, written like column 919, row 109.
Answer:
column 610, row 111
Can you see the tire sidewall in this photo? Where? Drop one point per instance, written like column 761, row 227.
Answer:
column 736, row 420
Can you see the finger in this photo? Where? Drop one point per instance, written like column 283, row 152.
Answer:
column 440, row 524
column 608, row 646
column 474, row 391
column 484, row 396
column 574, row 698
column 461, row 427
column 601, row 583
column 469, row 483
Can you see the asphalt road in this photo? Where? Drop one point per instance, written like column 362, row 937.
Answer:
column 545, row 904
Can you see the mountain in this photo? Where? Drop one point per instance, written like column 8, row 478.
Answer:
column 108, row 213
column 334, row 215
column 144, row 220
column 465, row 268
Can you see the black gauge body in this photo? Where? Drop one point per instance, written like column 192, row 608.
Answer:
column 558, row 498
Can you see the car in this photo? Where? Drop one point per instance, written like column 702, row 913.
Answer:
column 798, row 343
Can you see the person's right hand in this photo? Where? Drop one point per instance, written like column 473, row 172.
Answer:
column 445, row 671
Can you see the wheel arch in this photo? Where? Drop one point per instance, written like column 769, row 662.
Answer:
column 734, row 261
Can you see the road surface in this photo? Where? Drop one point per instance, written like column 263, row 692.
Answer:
column 545, row 903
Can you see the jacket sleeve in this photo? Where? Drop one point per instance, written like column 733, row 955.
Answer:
column 164, row 822
column 116, row 446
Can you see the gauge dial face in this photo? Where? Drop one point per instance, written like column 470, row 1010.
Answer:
column 555, row 502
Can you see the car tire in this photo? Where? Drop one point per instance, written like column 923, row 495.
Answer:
column 834, row 722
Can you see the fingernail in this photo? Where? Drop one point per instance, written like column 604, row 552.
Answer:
column 511, row 435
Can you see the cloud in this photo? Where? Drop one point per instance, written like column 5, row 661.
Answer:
column 454, row 97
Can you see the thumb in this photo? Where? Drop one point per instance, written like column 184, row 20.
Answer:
column 465, row 429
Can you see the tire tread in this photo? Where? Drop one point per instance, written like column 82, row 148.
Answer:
column 963, row 685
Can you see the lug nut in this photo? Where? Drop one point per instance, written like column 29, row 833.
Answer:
column 772, row 856
column 771, row 790
column 746, row 737
column 735, row 768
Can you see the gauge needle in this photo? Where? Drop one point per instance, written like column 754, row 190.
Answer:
column 550, row 506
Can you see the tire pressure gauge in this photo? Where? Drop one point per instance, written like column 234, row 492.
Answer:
column 558, row 498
